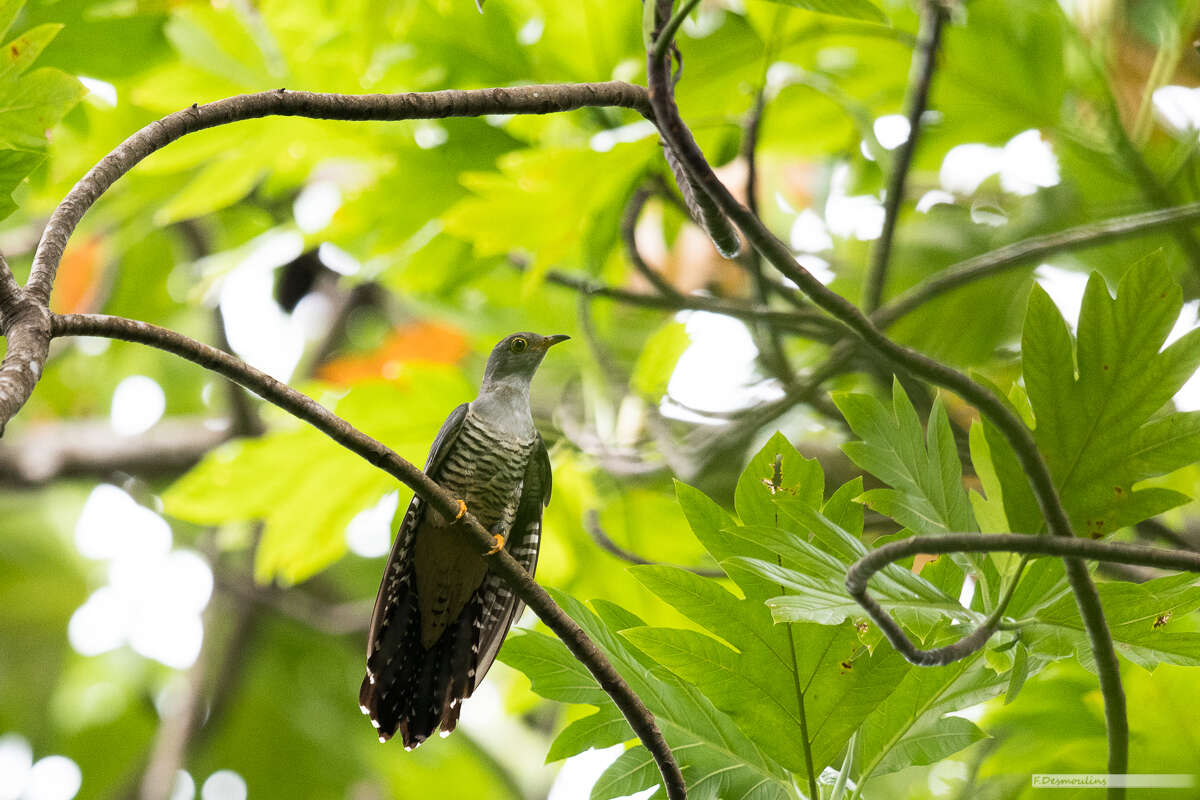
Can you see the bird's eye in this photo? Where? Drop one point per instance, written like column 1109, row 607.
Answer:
column 518, row 345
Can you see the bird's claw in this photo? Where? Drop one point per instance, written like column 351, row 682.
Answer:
column 462, row 510
column 497, row 544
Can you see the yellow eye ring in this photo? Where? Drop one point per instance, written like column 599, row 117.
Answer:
column 518, row 344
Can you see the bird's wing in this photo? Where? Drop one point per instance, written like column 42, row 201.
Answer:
column 500, row 606
column 399, row 564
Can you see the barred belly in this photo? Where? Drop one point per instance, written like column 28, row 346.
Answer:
column 486, row 468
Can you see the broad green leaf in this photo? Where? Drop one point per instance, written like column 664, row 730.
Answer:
column 988, row 505
column 930, row 744
column 545, row 202
column 917, row 702
column 21, row 52
column 8, row 12
column 31, row 104
column 921, row 467
column 603, row 729
column 1095, row 427
column 653, row 368
column 306, row 488
column 856, row 9
column 1139, row 621
column 927, row 495
column 553, row 672
column 1018, row 674
column 718, row 760
column 633, row 771
column 799, row 477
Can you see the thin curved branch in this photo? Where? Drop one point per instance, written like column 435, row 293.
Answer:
column 680, row 141
column 808, row 323
column 1022, row 252
column 629, row 220
column 1116, row 552
column 775, row 357
column 933, row 16
column 591, row 523
column 305, row 408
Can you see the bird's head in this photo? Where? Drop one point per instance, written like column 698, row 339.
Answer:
column 517, row 357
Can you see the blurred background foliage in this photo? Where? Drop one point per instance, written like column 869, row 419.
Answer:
column 165, row 539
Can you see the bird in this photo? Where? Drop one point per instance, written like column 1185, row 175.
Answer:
column 441, row 614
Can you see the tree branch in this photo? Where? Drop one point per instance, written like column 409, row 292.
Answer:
column 591, row 523
column 25, row 314
column 808, row 323
column 862, row 570
column 44, row 453
column 1020, row 253
column 933, row 15
column 305, row 408
column 629, row 220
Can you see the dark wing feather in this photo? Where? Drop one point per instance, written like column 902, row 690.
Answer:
column 500, row 606
column 397, row 616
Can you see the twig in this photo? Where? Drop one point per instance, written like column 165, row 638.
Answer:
column 679, row 139
column 329, row 618
column 776, row 356
column 43, row 453
column 935, row 544
column 305, row 408
column 1019, row 253
column 808, row 323
column 933, row 15
column 629, row 220
column 591, row 523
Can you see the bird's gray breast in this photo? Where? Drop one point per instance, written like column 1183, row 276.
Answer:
column 486, row 468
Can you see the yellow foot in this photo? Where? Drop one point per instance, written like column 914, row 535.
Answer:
column 497, row 544
column 462, row 510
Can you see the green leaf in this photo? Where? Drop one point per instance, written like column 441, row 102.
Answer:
column 1139, row 620
column 855, row 9
column 653, row 368
column 633, row 771
column 916, row 702
column 545, row 202
column 799, row 477
column 21, row 52
column 1018, row 674
column 553, row 672
column 1095, row 428
column 717, row 759
column 605, row 728
column 305, row 487
column 930, row 744
column 923, row 469
column 30, row 103
column 8, row 12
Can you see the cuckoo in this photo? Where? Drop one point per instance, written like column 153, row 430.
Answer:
column 441, row 614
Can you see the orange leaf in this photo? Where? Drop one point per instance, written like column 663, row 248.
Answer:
column 415, row 341
column 80, row 278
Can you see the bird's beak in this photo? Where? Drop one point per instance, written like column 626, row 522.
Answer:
column 556, row 338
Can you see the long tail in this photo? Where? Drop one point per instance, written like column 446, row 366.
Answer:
column 414, row 690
